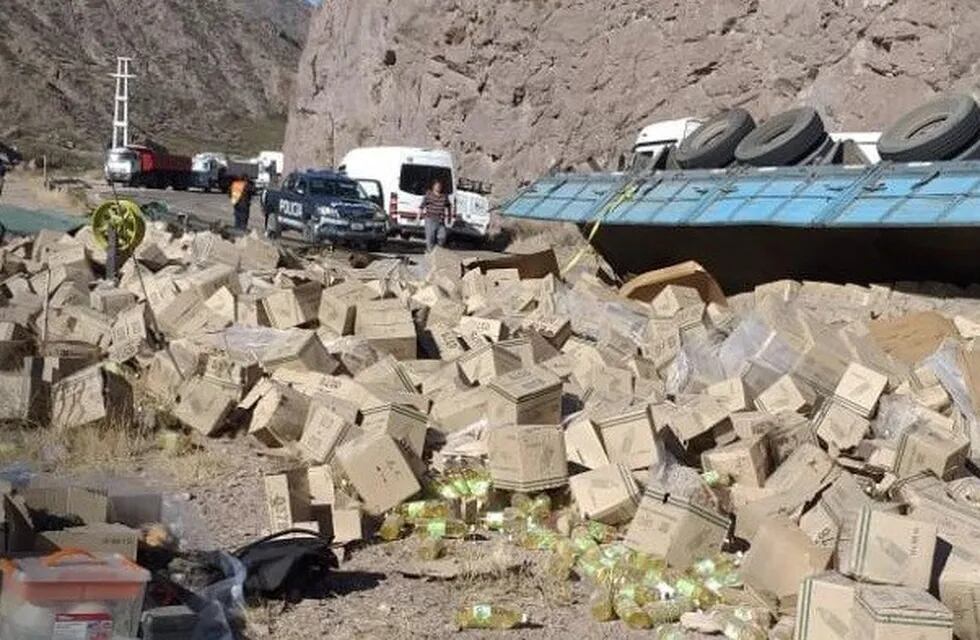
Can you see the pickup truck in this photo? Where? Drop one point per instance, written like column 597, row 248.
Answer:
column 325, row 206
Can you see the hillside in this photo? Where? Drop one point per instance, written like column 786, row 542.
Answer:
column 210, row 72
column 518, row 87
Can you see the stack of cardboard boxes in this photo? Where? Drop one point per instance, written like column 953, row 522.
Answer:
column 820, row 425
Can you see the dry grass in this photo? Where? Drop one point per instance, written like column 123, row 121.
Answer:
column 73, row 198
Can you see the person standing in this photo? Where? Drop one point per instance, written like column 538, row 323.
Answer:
column 436, row 210
column 241, row 193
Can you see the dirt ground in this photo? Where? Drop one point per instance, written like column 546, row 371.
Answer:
column 218, row 492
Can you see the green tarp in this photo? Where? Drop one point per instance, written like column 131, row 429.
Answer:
column 26, row 221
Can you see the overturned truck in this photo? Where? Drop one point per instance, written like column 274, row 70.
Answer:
column 785, row 199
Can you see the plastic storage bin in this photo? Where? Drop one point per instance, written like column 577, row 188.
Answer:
column 72, row 595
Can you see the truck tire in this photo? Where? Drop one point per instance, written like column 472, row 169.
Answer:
column 783, row 139
column 938, row 130
column 712, row 145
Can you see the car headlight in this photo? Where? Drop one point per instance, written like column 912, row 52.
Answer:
column 327, row 212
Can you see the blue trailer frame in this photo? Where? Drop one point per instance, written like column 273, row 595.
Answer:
column 890, row 213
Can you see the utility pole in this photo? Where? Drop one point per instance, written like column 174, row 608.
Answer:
column 120, row 118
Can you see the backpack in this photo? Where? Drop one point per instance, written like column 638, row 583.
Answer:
column 285, row 569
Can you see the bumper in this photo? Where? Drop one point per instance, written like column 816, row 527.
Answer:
column 348, row 233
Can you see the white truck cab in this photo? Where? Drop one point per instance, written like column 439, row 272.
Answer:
column 866, row 141
column 404, row 175
column 656, row 138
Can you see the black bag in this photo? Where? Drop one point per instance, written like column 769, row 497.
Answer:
column 286, row 569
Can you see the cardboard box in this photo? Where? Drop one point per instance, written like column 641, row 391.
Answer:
column 388, row 326
column 780, row 558
column 94, row 538
column 348, row 524
column 460, row 409
column 925, row 447
column 751, row 424
column 860, row 389
column 205, row 404
column 745, row 462
column 838, row 425
column 892, row 549
column 675, row 528
column 669, row 302
column 607, row 494
column 582, row 444
column 824, row 608
column 323, row 432
column 279, row 416
column 791, row 432
column 629, row 438
column 899, row 613
column 731, row 392
column 554, row 328
column 830, row 522
column 441, row 342
column 785, row 395
column 484, row 364
column 959, row 590
column 287, row 498
column 338, row 306
column 235, row 374
column 293, row 307
column 912, row 337
column 957, row 523
column 783, row 497
column 406, row 425
column 525, row 396
column 93, row 394
column 62, row 502
column 645, row 287
column 299, row 350
column 527, row 458
column 691, row 417
column 379, row 470
column 489, row 328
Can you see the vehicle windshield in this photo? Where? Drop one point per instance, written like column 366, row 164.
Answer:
column 336, row 188
column 417, row 179
column 117, row 155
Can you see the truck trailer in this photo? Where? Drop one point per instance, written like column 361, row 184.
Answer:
column 141, row 166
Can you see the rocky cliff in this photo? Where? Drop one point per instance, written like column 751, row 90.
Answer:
column 210, row 72
column 517, row 87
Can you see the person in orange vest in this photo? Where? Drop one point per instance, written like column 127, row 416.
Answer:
column 241, row 192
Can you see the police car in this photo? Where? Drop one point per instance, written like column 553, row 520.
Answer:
column 325, row 206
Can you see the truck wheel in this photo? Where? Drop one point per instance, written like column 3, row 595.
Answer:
column 782, row 139
column 938, row 130
column 712, row 145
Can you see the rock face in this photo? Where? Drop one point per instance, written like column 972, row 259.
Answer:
column 209, row 72
column 517, row 87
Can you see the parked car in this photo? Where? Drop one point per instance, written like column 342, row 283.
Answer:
column 325, row 206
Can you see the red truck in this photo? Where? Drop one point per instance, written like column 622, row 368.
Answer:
column 141, row 166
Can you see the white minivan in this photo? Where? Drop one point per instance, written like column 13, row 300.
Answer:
column 404, row 174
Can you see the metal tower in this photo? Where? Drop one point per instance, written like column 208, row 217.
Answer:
column 120, row 118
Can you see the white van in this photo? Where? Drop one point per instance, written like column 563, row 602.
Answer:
column 405, row 174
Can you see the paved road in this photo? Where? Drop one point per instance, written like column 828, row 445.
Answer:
column 216, row 208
